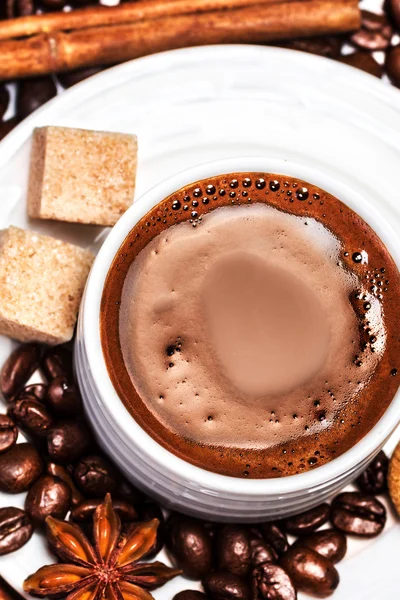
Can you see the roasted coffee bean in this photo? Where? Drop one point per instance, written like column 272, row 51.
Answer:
column 358, row 514
column 374, row 479
column 31, row 416
column 95, row 476
column 233, row 549
column 308, row 521
column 19, row 468
column 261, row 551
column 190, row 545
column 36, row 390
column 392, row 65
column 327, row 45
column 330, row 543
column 33, row 93
column 7, row 9
column 393, row 9
column 310, row 572
column 127, row 492
column 150, row 511
column 190, row 595
column 73, row 77
column 8, row 433
column 18, row 368
column 48, row 497
column 15, row 529
column 222, row 585
column 7, row 126
column 4, row 100
column 61, row 472
column 19, row 8
column 57, row 362
column 364, row 61
column 25, row 8
column 271, row 582
column 63, row 397
column 275, row 537
column 67, row 441
column 83, row 512
column 375, row 33
column 373, row 21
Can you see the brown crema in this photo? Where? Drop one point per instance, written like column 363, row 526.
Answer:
column 249, row 325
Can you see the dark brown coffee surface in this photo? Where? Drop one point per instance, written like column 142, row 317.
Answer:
column 249, row 325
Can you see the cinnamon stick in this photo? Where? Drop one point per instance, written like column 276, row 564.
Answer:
column 99, row 16
column 62, row 51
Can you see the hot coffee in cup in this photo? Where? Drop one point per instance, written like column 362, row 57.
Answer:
column 249, row 325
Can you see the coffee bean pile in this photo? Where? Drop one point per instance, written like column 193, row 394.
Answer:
column 23, row 8
column 244, row 562
column 66, row 475
column 378, row 33
column 61, row 467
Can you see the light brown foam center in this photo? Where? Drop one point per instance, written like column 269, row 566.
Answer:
column 235, row 331
column 268, row 329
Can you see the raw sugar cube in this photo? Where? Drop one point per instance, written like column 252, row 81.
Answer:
column 81, row 176
column 41, row 285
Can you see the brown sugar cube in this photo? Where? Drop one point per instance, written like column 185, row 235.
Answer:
column 41, row 285
column 81, row 176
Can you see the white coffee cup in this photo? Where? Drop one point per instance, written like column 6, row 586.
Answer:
column 175, row 482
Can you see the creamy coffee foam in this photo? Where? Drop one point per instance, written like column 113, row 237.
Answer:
column 232, row 330
column 249, row 323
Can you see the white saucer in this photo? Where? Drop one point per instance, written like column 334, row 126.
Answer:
column 193, row 105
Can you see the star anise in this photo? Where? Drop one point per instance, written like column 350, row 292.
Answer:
column 107, row 569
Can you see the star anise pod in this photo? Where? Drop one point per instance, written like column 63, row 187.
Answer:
column 107, row 569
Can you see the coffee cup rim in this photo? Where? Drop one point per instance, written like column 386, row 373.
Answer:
column 163, row 459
